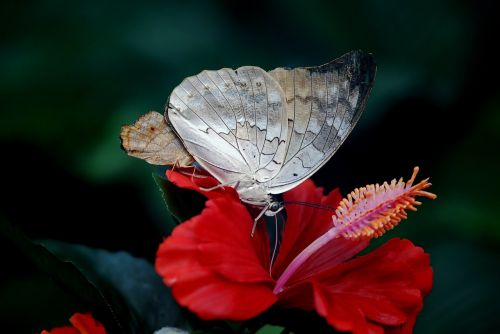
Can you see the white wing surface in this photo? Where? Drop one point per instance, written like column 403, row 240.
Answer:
column 233, row 122
column 323, row 105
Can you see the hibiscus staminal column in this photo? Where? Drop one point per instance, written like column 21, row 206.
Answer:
column 366, row 212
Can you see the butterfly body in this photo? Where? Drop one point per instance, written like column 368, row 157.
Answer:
column 255, row 193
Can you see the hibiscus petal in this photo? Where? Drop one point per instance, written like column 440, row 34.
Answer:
column 191, row 178
column 382, row 312
column 177, row 256
column 339, row 312
column 386, row 286
column 298, row 296
column 304, row 224
column 82, row 323
column 214, row 266
column 86, row 324
column 227, row 246
column 211, row 297
column 374, row 329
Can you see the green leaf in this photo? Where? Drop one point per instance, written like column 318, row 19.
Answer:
column 134, row 278
column 163, row 185
column 181, row 203
column 269, row 329
column 106, row 307
column 288, row 321
column 465, row 296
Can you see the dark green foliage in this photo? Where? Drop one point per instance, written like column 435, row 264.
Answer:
column 122, row 291
column 181, row 203
column 106, row 305
column 73, row 72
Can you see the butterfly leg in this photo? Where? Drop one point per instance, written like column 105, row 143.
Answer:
column 221, row 185
column 179, row 164
column 257, row 219
column 176, row 164
column 192, row 174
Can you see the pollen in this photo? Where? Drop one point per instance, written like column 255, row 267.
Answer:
column 370, row 211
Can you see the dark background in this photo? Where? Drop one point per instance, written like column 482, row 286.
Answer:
column 73, row 72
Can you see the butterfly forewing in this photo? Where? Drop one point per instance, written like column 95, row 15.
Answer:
column 232, row 122
column 323, row 105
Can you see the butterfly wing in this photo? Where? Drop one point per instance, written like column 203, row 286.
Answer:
column 233, row 123
column 150, row 138
column 323, row 104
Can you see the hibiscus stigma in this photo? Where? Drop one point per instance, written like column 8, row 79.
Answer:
column 372, row 210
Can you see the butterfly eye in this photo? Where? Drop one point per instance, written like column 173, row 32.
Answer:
column 275, row 206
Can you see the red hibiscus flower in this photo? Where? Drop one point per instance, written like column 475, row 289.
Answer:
column 218, row 271
column 80, row 324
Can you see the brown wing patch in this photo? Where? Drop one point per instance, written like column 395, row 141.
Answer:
column 150, row 138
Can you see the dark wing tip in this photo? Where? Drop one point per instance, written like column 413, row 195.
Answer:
column 364, row 65
column 360, row 64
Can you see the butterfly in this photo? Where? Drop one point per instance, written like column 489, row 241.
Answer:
column 262, row 133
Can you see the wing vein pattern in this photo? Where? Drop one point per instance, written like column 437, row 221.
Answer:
column 334, row 101
column 270, row 131
column 232, row 120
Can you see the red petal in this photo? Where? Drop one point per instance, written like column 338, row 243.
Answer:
column 83, row 323
column 386, row 287
column 227, row 246
column 211, row 297
column 299, row 296
column 304, row 224
column 339, row 312
column 177, row 257
column 194, row 179
column 86, row 324
column 214, row 266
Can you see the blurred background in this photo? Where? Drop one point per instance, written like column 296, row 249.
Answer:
column 74, row 72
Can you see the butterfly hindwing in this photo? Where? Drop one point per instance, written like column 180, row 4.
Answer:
column 324, row 104
column 150, row 138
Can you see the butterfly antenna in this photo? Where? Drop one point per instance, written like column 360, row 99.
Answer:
column 311, row 205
